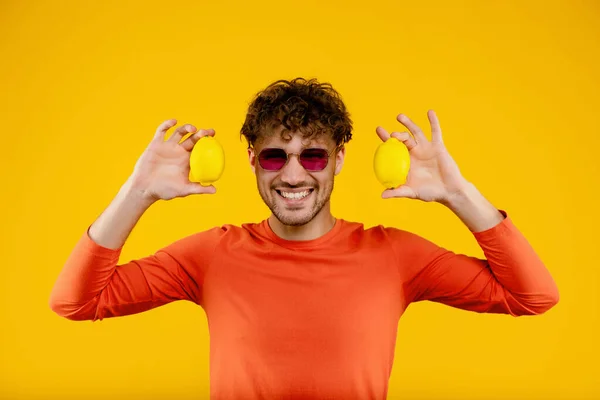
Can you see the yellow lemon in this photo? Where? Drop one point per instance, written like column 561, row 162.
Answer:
column 207, row 161
column 391, row 163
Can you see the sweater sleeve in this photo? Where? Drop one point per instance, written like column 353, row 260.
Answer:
column 510, row 280
column 92, row 286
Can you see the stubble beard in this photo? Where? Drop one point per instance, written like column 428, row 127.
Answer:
column 297, row 217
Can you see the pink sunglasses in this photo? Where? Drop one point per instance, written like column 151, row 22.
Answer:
column 312, row 159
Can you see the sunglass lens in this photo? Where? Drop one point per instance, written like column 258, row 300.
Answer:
column 272, row 159
column 314, row 159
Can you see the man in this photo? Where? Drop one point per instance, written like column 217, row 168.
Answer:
column 302, row 305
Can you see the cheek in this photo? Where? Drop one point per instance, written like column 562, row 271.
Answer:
column 325, row 182
column 264, row 180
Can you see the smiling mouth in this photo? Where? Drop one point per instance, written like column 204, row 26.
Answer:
column 294, row 196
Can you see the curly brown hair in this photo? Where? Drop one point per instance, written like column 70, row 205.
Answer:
column 300, row 105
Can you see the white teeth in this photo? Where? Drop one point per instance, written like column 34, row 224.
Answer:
column 295, row 196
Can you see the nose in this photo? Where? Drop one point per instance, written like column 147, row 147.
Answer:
column 293, row 172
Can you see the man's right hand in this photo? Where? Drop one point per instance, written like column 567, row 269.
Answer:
column 162, row 171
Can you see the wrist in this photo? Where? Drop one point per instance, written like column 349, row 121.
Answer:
column 460, row 195
column 473, row 209
column 136, row 194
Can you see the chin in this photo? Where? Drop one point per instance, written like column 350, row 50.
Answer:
column 294, row 214
column 294, row 218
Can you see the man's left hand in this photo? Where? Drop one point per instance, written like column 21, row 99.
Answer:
column 433, row 174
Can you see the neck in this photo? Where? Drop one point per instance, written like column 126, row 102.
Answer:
column 322, row 223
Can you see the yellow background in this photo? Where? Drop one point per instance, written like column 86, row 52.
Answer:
column 85, row 84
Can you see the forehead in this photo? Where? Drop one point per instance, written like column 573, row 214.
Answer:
column 280, row 137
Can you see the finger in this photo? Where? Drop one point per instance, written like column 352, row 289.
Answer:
column 163, row 128
column 405, row 138
column 412, row 127
column 181, row 132
column 189, row 143
column 382, row 133
column 436, row 130
column 401, row 191
column 196, row 188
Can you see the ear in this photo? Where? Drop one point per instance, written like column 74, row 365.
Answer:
column 339, row 160
column 252, row 159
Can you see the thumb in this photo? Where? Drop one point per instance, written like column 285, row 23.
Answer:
column 401, row 191
column 196, row 188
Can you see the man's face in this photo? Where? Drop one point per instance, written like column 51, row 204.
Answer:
column 294, row 195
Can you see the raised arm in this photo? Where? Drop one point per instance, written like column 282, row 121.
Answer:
column 511, row 279
column 91, row 285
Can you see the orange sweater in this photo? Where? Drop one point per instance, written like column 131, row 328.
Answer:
column 305, row 320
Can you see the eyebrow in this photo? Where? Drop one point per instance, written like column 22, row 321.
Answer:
column 311, row 146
